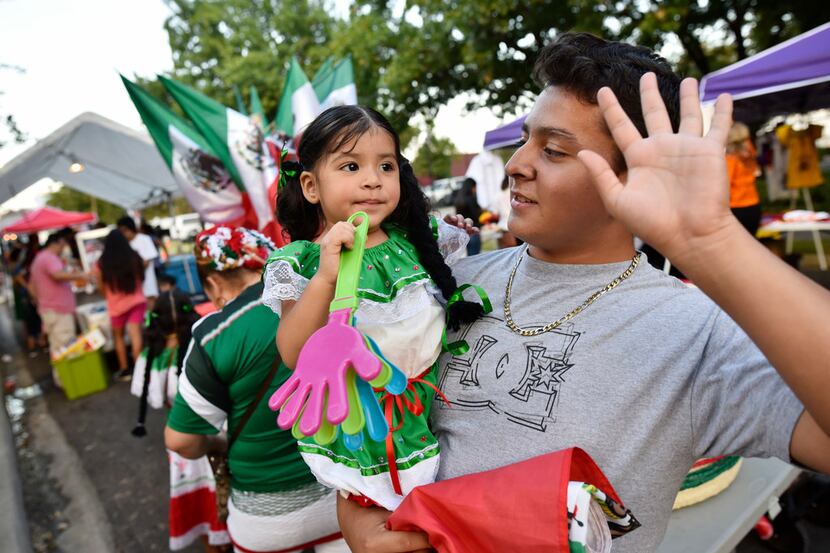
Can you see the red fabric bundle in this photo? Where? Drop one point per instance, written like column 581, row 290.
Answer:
column 520, row 507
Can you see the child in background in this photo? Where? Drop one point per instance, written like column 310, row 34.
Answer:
column 192, row 511
column 350, row 161
column 742, row 169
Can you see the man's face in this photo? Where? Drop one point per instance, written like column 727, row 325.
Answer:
column 554, row 205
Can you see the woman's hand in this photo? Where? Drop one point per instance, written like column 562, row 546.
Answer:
column 364, row 529
column 339, row 236
column 464, row 224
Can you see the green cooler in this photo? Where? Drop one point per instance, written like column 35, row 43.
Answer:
column 83, row 375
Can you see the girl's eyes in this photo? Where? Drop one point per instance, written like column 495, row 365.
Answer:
column 352, row 167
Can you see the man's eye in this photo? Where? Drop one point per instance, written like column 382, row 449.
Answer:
column 521, row 142
column 351, row 166
column 554, row 153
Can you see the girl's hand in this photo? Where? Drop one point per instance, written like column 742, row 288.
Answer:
column 676, row 192
column 464, row 224
column 339, row 236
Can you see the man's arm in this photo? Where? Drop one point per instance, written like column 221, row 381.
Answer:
column 64, row 275
column 675, row 197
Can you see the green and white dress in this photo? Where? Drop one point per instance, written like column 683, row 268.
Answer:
column 399, row 309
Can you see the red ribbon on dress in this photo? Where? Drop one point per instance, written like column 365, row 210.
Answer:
column 403, row 404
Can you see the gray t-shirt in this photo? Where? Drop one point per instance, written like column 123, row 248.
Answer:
column 648, row 379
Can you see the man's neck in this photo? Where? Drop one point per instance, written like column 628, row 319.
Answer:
column 601, row 254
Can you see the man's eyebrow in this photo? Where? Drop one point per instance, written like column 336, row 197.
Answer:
column 555, row 132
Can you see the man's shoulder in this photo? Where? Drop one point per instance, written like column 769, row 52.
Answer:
column 142, row 241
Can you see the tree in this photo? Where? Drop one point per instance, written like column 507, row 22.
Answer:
column 412, row 57
column 70, row 199
column 217, row 44
column 9, row 122
column 434, row 157
column 715, row 33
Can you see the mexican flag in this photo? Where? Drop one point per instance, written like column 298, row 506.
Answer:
column 256, row 109
column 299, row 104
column 337, row 88
column 199, row 172
column 322, row 73
column 237, row 140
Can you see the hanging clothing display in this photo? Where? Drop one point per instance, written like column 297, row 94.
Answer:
column 802, row 166
column 774, row 163
column 487, row 169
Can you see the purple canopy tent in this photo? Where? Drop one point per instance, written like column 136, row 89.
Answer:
column 504, row 136
column 791, row 77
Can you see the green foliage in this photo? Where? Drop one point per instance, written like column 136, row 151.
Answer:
column 180, row 207
column 70, row 199
column 411, row 57
column 434, row 158
column 716, row 33
column 218, row 44
column 8, row 121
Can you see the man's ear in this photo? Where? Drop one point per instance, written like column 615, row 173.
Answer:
column 308, row 184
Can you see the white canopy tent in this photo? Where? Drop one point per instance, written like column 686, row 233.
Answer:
column 120, row 165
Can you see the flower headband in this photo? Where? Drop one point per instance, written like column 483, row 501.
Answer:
column 224, row 248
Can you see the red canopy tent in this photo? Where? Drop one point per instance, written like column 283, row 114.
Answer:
column 47, row 218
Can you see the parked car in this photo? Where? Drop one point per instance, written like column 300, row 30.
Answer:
column 441, row 192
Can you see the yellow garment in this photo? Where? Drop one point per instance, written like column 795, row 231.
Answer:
column 802, row 165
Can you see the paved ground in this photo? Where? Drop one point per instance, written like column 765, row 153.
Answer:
column 89, row 485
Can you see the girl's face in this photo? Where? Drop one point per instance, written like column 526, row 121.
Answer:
column 362, row 176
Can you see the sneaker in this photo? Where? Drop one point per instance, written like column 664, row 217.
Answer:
column 124, row 375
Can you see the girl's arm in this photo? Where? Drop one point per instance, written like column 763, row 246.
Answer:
column 302, row 318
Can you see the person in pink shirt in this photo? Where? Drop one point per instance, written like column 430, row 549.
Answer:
column 51, row 283
column 119, row 273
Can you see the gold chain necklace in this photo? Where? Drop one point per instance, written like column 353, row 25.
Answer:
column 508, row 318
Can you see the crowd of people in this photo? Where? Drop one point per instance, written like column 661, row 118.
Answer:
column 45, row 301
column 574, row 339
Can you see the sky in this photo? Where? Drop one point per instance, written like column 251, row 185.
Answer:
column 72, row 51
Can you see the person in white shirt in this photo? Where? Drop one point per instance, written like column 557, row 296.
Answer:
column 143, row 245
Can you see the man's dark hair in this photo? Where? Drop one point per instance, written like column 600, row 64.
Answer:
column 127, row 222
column 54, row 238
column 582, row 63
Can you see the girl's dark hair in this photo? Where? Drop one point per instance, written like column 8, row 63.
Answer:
column 121, row 267
column 333, row 130
column 173, row 313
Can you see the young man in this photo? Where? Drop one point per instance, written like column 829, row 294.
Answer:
column 143, row 245
column 650, row 375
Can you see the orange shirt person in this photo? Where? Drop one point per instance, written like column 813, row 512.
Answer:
column 742, row 169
